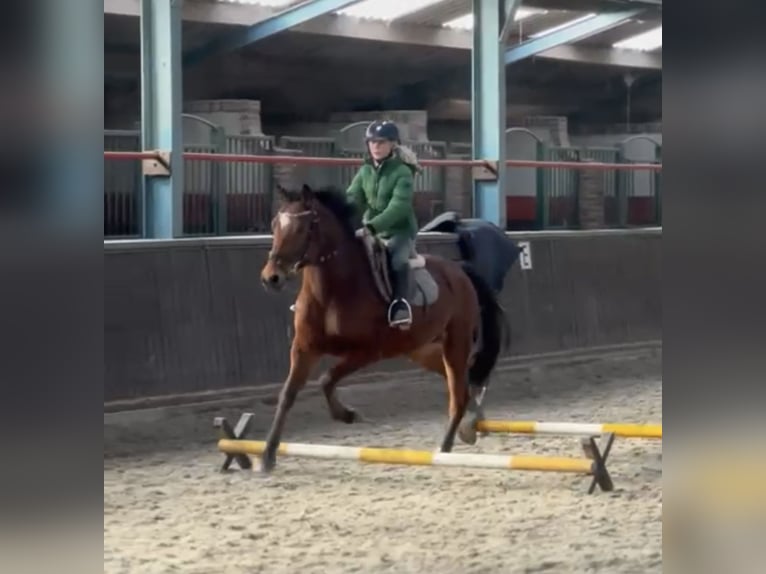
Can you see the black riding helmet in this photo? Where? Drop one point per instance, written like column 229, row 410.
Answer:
column 382, row 130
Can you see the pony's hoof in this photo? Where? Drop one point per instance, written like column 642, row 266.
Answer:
column 359, row 419
column 354, row 417
column 351, row 417
column 267, row 464
column 346, row 415
column 466, row 431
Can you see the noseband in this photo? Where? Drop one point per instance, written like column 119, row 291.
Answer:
column 304, row 258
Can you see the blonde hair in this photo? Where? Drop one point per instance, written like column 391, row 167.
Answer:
column 408, row 157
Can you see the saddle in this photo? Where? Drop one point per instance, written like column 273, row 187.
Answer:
column 423, row 288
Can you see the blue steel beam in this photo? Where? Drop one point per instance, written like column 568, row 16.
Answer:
column 489, row 106
column 161, row 101
column 284, row 20
column 568, row 35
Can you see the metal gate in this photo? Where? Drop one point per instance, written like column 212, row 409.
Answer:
column 638, row 195
column 249, row 186
column 607, row 155
column 560, row 186
column 524, row 199
column 204, row 202
column 122, row 186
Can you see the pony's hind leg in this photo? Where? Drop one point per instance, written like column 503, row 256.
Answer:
column 301, row 364
column 455, row 358
column 474, row 413
column 330, row 379
column 430, row 357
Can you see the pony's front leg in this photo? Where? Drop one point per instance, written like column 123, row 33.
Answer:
column 330, row 379
column 301, row 363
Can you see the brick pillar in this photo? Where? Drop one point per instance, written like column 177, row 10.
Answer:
column 591, row 192
column 458, row 188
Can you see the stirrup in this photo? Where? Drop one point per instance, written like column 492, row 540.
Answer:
column 402, row 323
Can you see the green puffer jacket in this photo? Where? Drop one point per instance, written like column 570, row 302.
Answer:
column 385, row 195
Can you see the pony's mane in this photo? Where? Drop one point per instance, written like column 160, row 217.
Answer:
column 335, row 201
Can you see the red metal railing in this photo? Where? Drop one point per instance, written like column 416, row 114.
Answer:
column 346, row 161
column 224, row 202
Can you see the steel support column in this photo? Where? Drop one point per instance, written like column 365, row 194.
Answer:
column 489, row 106
column 161, row 102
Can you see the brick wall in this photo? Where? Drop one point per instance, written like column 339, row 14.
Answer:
column 590, row 205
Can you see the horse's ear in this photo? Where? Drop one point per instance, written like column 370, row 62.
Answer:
column 282, row 193
column 307, row 193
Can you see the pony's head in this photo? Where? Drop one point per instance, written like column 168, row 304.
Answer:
column 308, row 229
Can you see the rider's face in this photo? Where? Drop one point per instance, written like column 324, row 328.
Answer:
column 380, row 149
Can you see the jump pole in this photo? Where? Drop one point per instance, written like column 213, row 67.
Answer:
column 412, row 457
column 235, row 447
column 624, row 430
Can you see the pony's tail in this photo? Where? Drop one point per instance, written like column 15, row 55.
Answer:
column 493, row 320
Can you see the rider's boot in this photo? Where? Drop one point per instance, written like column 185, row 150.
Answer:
column 400, row 312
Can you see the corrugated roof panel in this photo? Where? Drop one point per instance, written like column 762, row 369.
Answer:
column 644, row 42
column 436, row 14
column 629, row 29
column 268, row 3
column 385, row 10
column 563, row 25
column 465, row 22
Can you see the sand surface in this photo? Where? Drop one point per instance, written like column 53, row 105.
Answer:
column 168, row 509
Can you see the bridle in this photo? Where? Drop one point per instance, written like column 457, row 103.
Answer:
column 303, row 260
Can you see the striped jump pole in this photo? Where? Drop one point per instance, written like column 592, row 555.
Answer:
column 235, row 447
column 412, row 457
column 625, row 430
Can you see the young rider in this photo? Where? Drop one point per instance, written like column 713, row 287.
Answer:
column 383, row 190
